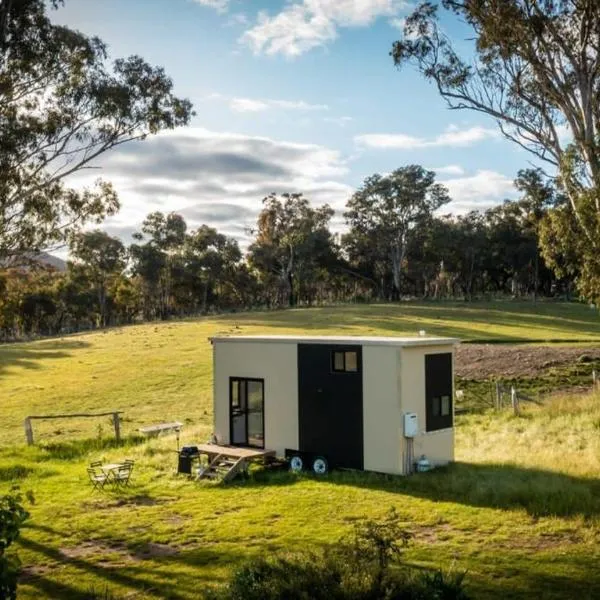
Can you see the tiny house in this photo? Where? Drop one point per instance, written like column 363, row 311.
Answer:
column 372, row 403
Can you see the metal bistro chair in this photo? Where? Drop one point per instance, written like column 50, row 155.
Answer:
column 122, row 475
column 98, row 480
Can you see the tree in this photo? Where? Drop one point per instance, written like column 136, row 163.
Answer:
column 386, row 208
column 209, row 258
column 155, row 259
column 537, row 73
column 61, row 107
column 291, row 238
column 102, row 258
column 539, row 195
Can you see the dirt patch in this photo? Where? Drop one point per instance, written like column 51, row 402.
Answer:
column 93, row 549
column 539, row 544
column 154, row 550
column 483, row 361
column 139, row 500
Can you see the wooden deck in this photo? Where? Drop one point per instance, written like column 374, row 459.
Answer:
column 235, row 451
column 226, row 462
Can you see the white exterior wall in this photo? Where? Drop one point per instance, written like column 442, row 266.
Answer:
column 277, row 364
column 437, row 446
column 382, row 425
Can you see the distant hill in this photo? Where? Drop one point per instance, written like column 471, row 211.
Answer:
column 42, row 258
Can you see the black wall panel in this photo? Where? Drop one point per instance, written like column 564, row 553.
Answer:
column 330, row 406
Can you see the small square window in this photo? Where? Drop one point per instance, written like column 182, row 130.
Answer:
column 351, row 362
column 338, row 361
column 445, row 406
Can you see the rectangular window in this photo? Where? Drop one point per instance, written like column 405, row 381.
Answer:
column 344, row 361
column 247, row 412
column 438, row 391
column 338, row 361
column 445, row 407
column 351, row 361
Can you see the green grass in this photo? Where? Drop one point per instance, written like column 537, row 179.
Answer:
column 520, row 510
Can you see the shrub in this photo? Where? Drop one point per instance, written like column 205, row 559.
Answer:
column 12, row 517
column 366, row 566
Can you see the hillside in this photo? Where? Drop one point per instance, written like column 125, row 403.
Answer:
column 519, row 511
column 165, row 368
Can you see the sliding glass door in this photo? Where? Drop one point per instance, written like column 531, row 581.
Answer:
column 246, row 410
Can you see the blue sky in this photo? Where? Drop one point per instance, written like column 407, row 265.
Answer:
column 296, row 95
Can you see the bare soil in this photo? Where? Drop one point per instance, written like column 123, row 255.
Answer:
column 482, row 361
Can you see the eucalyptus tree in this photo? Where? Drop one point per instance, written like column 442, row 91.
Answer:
column 62, row 106
column 102, row 259
column 291, row 239
column 386, row 208
column 536, row 72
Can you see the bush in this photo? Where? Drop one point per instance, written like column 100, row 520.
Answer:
column 366, row 566
column 12, row 517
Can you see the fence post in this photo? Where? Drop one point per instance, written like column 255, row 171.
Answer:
column 28, row 431
column 514, row 398
column 117, row 424
column 594, row 380
column 498, row 395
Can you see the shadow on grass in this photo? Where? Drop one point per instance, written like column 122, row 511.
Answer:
column 30, row 355
column 15, row 473
column 75, row 449
column 501, row 486
column 565, row 323
column 141, row 568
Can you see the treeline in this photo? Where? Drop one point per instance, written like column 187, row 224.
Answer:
column 395, row 247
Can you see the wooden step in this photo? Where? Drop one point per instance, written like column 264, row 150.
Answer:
column 223, row 467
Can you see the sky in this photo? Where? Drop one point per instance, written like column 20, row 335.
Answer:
column 290, row 96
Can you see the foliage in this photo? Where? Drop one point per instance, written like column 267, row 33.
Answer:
column 386, row 209
column 536, row 73
column 61, row 107
column 368, row 566
column 101, row 259
column 12, row 517
column 292, row 242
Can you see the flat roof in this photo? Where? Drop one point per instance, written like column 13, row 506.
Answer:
column 340, row 339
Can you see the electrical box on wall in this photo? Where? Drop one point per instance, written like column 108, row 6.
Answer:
column 411, row 425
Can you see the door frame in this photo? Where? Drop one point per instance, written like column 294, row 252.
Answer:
column 246, row 380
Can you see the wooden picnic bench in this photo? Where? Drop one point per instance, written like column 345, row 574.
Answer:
column 155, row 430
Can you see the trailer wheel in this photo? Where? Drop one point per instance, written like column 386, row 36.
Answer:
column 320, row 466
column 296, row 464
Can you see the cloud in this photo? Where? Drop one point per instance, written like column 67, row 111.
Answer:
column 219, row 5
column 453, row 136
column 215, row 178
column 448, row 170
column 341, row 121
column 247, row 105
column 237, row 19
column 251, row 105
column 307, row 24
column 398, row 23
column 478, row 192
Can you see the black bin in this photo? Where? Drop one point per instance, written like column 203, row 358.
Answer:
column 186, row 455
column 184, row 464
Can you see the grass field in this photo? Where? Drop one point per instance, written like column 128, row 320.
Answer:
column 520, row 510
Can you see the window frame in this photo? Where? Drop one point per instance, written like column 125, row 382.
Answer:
column 439, row 383
column 243, row 382
column 344, row 351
